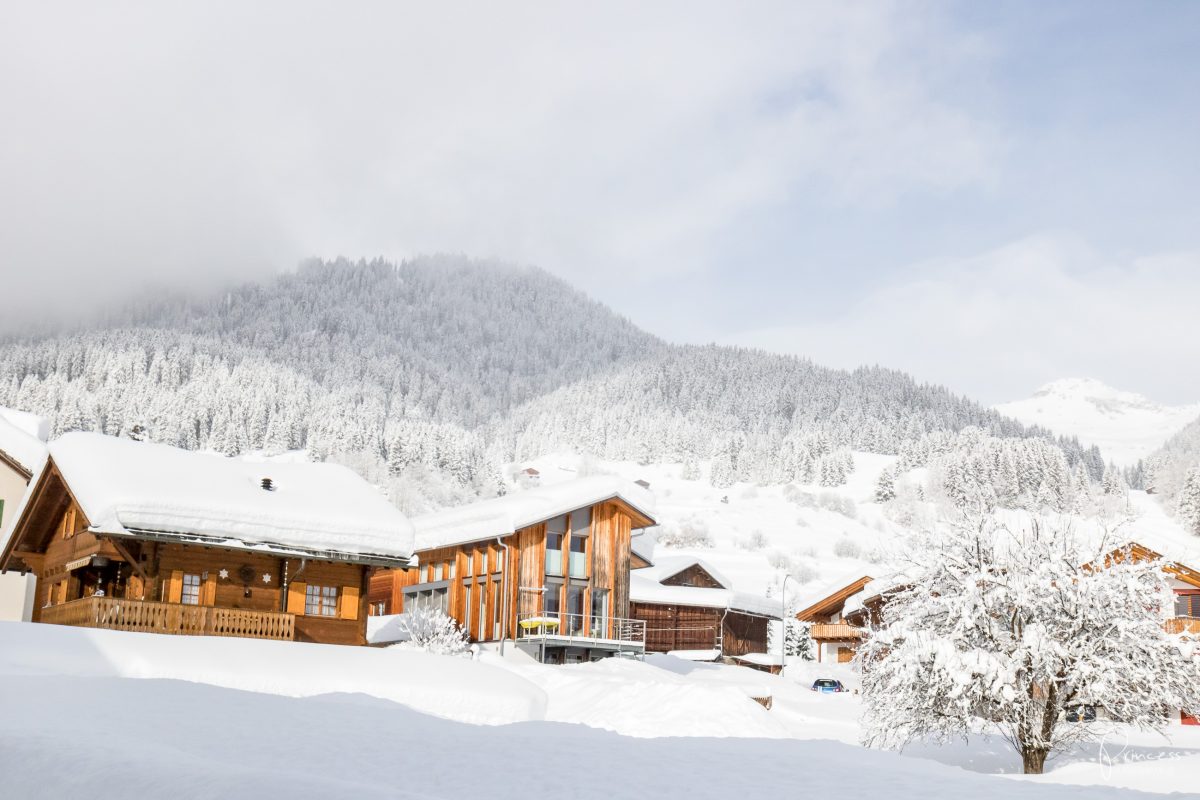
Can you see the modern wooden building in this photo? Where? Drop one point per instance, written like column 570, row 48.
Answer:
column 546, row 567
column 835, row 635
column 137, row 536
column 690, row 609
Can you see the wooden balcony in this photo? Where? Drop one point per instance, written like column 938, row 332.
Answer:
column 835, row 632
column 1183, row 625
column 119, row 614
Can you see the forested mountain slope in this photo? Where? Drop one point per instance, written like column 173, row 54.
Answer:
column 457, row 365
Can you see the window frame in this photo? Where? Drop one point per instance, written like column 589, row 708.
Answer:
column 191, row 586
column 322, row 598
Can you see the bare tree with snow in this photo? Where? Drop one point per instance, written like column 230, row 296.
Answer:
column 433, row 631
column 1008, row 629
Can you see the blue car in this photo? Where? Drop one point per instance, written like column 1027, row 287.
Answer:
column 828, row 686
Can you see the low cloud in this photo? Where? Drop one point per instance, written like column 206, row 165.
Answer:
column 998, row 325
column 152, row 144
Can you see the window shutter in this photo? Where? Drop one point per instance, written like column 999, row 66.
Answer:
column 175, row 587
column 295, row 597
column 209, row 595
column 348, row 603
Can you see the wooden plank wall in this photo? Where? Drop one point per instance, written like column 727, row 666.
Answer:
column 744, row 633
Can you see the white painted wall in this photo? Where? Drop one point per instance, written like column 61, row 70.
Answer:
column 16, row 597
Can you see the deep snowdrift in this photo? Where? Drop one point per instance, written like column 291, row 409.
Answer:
column 71, row 725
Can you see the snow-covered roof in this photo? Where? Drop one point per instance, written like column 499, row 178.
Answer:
column 501, row 516
column 30, row 424
column 670, row 566
column 645, row 586
column 20, row 441
column 125, row 486
column 643, row 546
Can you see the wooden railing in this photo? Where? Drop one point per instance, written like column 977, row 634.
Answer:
column 835, row 631
column 1182, row 625
column 119, row 614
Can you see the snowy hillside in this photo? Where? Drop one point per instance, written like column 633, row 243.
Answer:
column 450, row 366
column 1126, row 426
column 825, row 537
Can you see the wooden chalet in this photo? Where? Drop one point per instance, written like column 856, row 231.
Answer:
column 691, row 609
column 835, row 636
column 1184, row 617
column 136, row 536
column 546, row 567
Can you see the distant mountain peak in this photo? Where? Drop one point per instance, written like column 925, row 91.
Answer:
column 1125, row 425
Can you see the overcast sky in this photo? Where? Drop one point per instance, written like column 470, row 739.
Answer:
column 988, row 195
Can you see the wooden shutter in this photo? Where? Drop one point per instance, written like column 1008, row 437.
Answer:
column 295, row 597
column 136, row 588
column 175, row 587
column 348, row 602
column 208, row 596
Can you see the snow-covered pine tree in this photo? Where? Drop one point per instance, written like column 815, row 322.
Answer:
column 1006, row 629
column 1188, row 509
column 885, row 486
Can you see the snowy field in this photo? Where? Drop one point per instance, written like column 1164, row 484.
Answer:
column 106, row 714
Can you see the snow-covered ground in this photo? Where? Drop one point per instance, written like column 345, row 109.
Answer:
column 1125, row 426
column 194, row 717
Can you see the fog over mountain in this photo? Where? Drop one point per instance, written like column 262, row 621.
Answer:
column 454, row 367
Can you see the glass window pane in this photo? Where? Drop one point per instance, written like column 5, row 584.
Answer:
column 552, row 598
column 581, row 521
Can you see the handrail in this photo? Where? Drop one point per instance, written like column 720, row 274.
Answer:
column 581, row 627
column 121, row 614
column 834, row 630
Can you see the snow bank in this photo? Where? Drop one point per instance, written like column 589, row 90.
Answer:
column 639, row 699
column 454, row 688
column 124, row 485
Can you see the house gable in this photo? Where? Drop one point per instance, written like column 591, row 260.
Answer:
column 695, row 575
column 832, row 603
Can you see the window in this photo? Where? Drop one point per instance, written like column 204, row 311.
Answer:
column 191, row 590
column 575, row 618
column 556, row 529
column 552, row 598
column 483, row 609
column 427, row 598
column 577, row 564
column 424, row 574
column 600, row 613
column 467, row 608
column 438, row 569
column 1187, row 605
column 320, row 601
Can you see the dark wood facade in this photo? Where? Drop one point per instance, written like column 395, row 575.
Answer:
column 678, row 627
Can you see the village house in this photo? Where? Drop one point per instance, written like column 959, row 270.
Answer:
column 691, row 610
column 136, row 536
column 547, row 568
column 22, row 455
column 834, row 634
